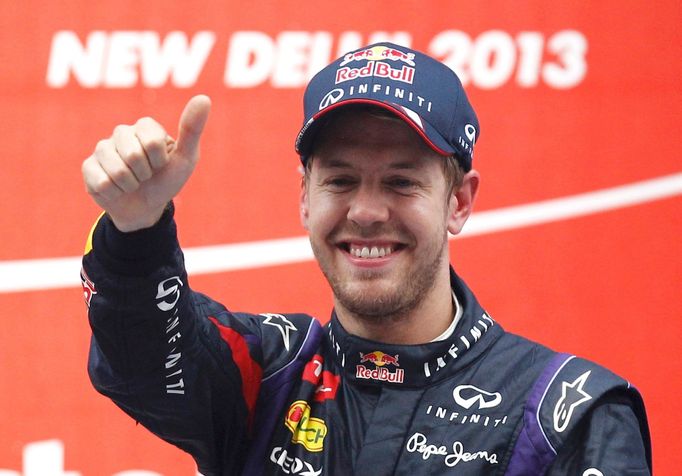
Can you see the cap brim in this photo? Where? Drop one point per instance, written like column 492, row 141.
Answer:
column 428, row 133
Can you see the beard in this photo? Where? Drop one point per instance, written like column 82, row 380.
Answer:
column 370, row 297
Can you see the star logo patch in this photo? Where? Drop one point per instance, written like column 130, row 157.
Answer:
column 283, row 324
column 572, row 396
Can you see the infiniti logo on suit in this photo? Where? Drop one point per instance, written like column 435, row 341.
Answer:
column 466, row 396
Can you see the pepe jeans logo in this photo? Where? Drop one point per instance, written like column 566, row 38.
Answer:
column 418, row 443
column 466, row 396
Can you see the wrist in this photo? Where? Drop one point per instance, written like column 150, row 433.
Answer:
column 139, row 252
column 148, row 221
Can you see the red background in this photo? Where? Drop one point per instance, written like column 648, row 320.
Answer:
column 605, row 286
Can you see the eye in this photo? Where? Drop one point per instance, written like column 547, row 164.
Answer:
column 401, row 183
column 338, row 183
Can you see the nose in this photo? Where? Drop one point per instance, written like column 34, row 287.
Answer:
column 368, row 207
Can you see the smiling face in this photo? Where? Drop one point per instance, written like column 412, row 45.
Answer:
column 377, row 208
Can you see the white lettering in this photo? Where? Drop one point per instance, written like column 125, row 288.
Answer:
column 177, row 387
column 249, row 59
column 172, row 359
column 570, row 47
column 453, row 48
column 295, row 62
column 125, row 59
column 172, row 322
column 177, row 59
column 292, row 464
column 116, row 60
column 174, row 338
column 120, row 69
column 530, row 45
column 177, row 372
column 492, row 60
column 68, row 56
column 419, row 443
column 489, row 60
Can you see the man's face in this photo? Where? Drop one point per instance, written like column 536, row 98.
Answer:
column 376, row 209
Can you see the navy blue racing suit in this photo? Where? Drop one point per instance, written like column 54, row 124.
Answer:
column 282, row 394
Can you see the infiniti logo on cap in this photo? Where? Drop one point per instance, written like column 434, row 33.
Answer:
column 470, row 132
column 332, row 97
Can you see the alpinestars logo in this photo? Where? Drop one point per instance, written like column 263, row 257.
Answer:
column 284, row 325
column 572, row 396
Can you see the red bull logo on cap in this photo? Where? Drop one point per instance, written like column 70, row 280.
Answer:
column 376, row 66
column 379, row 53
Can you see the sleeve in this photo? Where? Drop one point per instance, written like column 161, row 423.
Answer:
column 176, row 361
column 608, row 441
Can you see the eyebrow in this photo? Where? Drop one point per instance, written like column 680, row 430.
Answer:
column 334, row 164
column 341, row 164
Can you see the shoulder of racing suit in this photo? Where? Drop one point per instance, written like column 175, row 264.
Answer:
column 273, row 340
column 567, row 390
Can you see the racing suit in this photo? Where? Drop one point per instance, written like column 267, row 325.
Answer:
column 281, row 394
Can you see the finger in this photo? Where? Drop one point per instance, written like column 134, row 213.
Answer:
column 97, row 182
column 114, row 166
column 192, row 122
column 131, row 151
column 152, row 137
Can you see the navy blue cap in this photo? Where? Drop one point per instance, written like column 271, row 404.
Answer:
column 415, row 87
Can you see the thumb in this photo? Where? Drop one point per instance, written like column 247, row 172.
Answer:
column 192, row 122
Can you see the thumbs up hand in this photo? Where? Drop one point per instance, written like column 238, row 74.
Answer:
column 133, row 174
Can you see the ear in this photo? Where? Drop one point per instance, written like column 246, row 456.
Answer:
column 303, row 203
column 462, row 202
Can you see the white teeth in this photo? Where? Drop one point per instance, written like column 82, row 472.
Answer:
column 369, row 253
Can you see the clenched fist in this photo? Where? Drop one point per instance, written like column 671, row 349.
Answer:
column 133, row 174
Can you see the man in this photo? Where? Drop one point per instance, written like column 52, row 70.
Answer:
column 411, row 375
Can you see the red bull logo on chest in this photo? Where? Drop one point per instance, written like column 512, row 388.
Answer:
column 379, row 358
column 381, row 372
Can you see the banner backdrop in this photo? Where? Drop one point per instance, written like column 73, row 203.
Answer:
column 575, row 242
